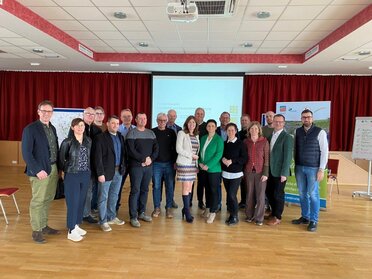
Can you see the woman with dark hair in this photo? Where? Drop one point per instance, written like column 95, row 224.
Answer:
column 256, row 173
column 187, row 147
column 74, row 160
column 211, row 150
column 234, row 158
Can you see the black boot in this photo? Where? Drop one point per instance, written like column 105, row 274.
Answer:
column 186, row 209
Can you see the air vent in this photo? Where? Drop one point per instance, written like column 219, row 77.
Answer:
column 216, row 8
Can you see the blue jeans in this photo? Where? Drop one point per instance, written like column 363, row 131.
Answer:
column 308, row 188
column 139, row 188
column 107, row 197
column 76, row 187
column 161, row 170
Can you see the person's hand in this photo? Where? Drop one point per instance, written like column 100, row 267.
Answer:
column 148, row 161
column 63, row 175
column 263, row 178
column 101, row 179
column 283, row 178
column 195, row 157
column 42, row 174
column 320, row 175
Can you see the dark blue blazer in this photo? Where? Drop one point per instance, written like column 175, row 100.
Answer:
column 35, row 148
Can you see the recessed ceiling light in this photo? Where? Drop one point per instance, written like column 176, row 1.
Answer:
column 282, row 66
column 370, row 67
column 364, row 52
column 38, row 50
column 263, row 14
column 247, row 45
column 114, row 65
column 143, row 44
column 120, row 15
column 350, row 58
column 34, row 64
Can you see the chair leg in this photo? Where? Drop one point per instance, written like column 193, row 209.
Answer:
column 330, row 191
column 15, row 202
column 338, row 190
column 2, row 208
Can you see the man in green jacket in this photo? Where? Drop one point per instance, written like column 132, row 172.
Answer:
column 281, row 149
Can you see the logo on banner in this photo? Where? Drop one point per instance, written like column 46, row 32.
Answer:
column 283, row 108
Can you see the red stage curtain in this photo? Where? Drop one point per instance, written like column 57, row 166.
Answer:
column 21, row 92
column 350, row 96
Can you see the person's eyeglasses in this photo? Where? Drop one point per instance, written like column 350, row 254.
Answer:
column 89, row 114
column 162, row 120
column 45, row 111
column 100, row 113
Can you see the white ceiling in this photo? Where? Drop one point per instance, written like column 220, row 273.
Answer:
column 293, row 28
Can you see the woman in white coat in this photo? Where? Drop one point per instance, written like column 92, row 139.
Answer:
column 187, row 162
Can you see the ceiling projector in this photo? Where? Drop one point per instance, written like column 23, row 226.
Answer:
column 182, row 11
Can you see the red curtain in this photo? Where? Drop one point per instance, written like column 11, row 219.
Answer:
column 350, row 96
column 21, row 92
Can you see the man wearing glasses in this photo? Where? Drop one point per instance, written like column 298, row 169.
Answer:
column 311, row 155
column 281, row 148
column 39, row 150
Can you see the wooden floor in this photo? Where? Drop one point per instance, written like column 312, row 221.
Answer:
column 342, row 247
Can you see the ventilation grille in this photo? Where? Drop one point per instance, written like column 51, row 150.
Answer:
column 217, row 8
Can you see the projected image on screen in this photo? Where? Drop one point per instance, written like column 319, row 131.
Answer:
column 185, row 93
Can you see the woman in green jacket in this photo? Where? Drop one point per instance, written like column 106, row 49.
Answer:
column 211, row 150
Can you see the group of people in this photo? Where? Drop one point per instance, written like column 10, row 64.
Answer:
column 96, row 158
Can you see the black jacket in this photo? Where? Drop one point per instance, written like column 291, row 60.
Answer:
column 69, row 153
column 35, row 148
column 104, row 155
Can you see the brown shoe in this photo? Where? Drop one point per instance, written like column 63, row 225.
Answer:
column 48, row 230
column 38, row 237
column 274, row 221
column 169, row 213
column 156, row 212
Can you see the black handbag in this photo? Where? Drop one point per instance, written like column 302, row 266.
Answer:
column 60, row 192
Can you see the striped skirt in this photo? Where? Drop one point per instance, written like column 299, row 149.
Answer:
column 186, row 172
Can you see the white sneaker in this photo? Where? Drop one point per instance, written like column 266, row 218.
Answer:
column 116, row 221
column 211, row 218
column 80, row 230
column 106, row 227
column 74, row 236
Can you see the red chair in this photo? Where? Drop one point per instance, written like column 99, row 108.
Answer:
column 7, row 192
column 332, row 173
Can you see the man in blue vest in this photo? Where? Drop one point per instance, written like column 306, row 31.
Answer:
column 311, row 155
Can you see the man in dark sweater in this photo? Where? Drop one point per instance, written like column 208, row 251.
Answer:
column 143, row 149
column 163, row 166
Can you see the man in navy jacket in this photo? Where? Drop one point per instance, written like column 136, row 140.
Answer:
column 40, row 150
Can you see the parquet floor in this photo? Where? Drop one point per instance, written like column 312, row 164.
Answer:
column 342, row 247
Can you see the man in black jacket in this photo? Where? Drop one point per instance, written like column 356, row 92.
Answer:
column 109, row 162
column 40, row 150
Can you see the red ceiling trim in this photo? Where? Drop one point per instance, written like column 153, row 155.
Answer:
column 349, row 26
column 40, row 23
column 199, row 58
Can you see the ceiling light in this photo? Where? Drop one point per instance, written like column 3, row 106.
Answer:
column 143, row 44
column 282, row 66
column 120, row 15
column 37, row 50
column 247, row 45
column 364, row 52
column 350, row 58
column 263, row 14
column 370, row 67
column 34, row 64
column 114, row 65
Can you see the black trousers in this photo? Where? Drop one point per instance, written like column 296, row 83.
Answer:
column 275, row 194
column 243, row 191
column 232, row 186
column 211, row 182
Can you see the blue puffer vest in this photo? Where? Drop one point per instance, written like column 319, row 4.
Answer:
column 307, row 147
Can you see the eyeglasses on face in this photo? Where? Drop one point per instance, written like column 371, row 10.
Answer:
column 43, row 111
column 89, row 114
